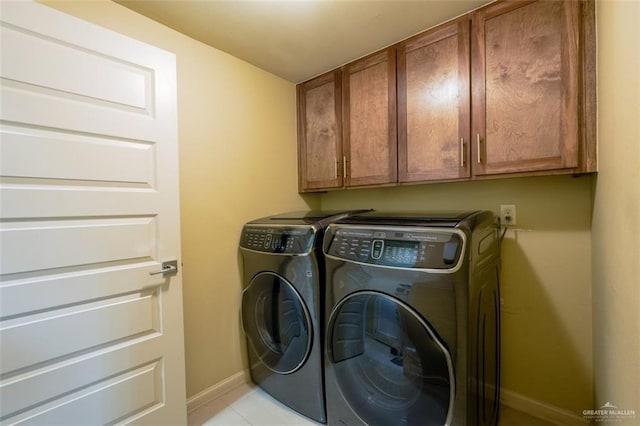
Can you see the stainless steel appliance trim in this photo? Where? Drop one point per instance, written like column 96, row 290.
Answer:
column 335, row 227
column 282, row 225
column 311, row 226
column 276, row 254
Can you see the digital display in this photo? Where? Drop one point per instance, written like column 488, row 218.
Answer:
column 401, row 252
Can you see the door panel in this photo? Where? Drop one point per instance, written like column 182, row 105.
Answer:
column 72, row 287
column 49, row 158
column 69, row 378
column 34, row 246
column 40, row 337
column 526, row 70
column 124, row 397
column 127, row 84
column 88, row 180
column 434, row 105
column 320, row 132
column 277, row 323
column 369, row 120
column 390, row 365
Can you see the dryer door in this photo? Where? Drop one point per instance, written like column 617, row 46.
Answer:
column 277, row 322
column 389, row 365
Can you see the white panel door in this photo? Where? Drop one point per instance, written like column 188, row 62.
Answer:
column 89, row 208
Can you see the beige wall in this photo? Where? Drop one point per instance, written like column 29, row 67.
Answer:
column 237, row 141
column 616, row 215
column 546, row 278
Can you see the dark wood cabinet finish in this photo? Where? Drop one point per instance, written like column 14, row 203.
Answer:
column 320, row 133
column 434, row 105
column 526, row 77
column 369, row 120
column 506, row 90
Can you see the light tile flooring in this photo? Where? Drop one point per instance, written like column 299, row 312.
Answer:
column 250, row 405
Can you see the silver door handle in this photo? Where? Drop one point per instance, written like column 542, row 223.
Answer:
column 169, row 266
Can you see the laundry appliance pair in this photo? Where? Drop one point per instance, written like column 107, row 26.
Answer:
column 368, row 318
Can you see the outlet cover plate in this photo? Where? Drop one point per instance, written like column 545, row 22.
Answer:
column 508, row 210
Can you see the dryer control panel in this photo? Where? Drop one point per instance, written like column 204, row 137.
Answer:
column 278, row 239
column 399, row 248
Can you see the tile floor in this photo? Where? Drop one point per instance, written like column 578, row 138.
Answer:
column 250, row 405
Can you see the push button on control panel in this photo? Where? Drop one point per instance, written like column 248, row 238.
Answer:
column 449, row 253
column 378, row 246
column 412, row 248
column 278, row 240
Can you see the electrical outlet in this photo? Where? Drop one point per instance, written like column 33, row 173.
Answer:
column 508, row 211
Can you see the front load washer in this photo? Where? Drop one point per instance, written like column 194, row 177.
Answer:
column 281, row 307
column 413, row 323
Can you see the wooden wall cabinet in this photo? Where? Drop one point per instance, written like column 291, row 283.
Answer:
column 531, row 88
column 320, row 133
column 434, row 105
column 507, row 90
column 369, row 120
column 347, row 126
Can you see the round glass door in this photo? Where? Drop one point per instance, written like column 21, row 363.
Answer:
column 390, row 366
column 277, row 323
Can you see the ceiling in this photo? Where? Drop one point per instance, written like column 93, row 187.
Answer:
column 299, row 39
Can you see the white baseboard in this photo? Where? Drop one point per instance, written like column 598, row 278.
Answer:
column 216, row 391
column 541, row 409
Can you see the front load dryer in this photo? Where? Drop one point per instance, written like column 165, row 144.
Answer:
column 283, row 274
column 412, row 320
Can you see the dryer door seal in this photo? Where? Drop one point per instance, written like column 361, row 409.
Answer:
column 390, row 365
column 276, row 322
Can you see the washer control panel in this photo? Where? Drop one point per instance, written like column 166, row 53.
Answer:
column 278, row 239
column 407, row 249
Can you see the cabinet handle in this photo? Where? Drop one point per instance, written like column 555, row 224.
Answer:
column 479, row 149
column 461, row 152
column 336, row 169
column 344, row 167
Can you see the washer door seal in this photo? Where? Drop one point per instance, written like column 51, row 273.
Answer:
column 276, row 322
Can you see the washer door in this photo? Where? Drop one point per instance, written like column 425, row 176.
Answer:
column 390, row 366
column 277, row 323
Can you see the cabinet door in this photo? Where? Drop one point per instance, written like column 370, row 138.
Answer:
column 525, row 87
column 433, row 105
column 369, row 120
column 320, row 133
